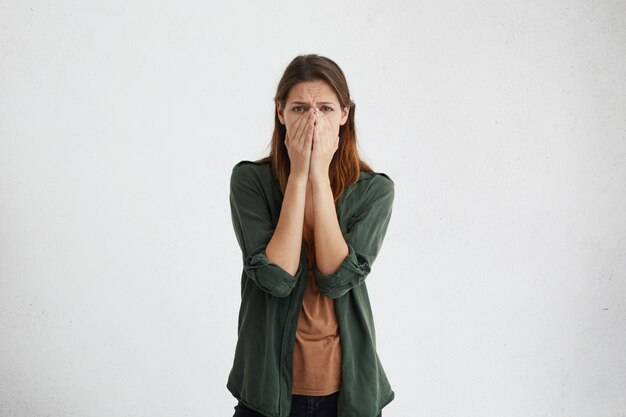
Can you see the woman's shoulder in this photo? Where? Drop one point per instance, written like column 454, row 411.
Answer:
column 263, row 161
column 248, row 167
column 369, row 185
column 256, row 174
column 257, row 163
column 374, row 176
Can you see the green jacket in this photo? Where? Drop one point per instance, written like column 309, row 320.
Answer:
column 271, row 298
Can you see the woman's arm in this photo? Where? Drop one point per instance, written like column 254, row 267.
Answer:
column 365, row 233
column 330, row 246
column 254, row 226
column 284, row 247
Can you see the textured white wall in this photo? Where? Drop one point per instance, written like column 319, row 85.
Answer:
column 500, row 290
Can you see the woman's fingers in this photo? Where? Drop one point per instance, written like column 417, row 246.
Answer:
column 314, row 138
column 308, row 124
column 311, row 131
column 298, row 122
column 297, row 128
column 322, row 125
column 303, row 129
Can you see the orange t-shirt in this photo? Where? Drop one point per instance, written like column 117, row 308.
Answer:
column 317, row 349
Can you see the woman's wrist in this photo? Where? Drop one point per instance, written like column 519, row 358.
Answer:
column 298, row 180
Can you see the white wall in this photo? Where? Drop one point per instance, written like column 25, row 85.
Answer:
column 500, row 290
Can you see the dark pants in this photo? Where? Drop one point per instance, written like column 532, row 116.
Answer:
column 301, row 406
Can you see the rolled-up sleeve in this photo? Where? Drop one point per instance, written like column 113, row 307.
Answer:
column 253, row 225
column 365, row 235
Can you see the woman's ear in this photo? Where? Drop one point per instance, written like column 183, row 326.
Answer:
column 279, row 111
column 344, row 115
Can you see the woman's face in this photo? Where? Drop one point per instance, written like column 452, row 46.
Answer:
column 307, row 94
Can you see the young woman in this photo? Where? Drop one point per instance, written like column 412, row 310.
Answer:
column 310, row 219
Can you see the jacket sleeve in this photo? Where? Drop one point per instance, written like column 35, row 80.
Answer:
column 254, row 228
column 365, row 234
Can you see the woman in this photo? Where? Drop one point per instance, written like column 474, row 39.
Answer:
column 310, row 219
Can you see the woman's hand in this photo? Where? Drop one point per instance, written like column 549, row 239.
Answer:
column 325, row 144
column 299, row 145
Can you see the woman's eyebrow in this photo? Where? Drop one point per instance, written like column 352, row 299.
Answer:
column 319, row 102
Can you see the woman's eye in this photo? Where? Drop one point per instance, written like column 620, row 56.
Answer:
column 296, row 109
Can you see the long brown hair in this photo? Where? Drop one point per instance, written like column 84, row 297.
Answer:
column 346, row 164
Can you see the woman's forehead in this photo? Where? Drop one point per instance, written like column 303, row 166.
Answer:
column 312, row 91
